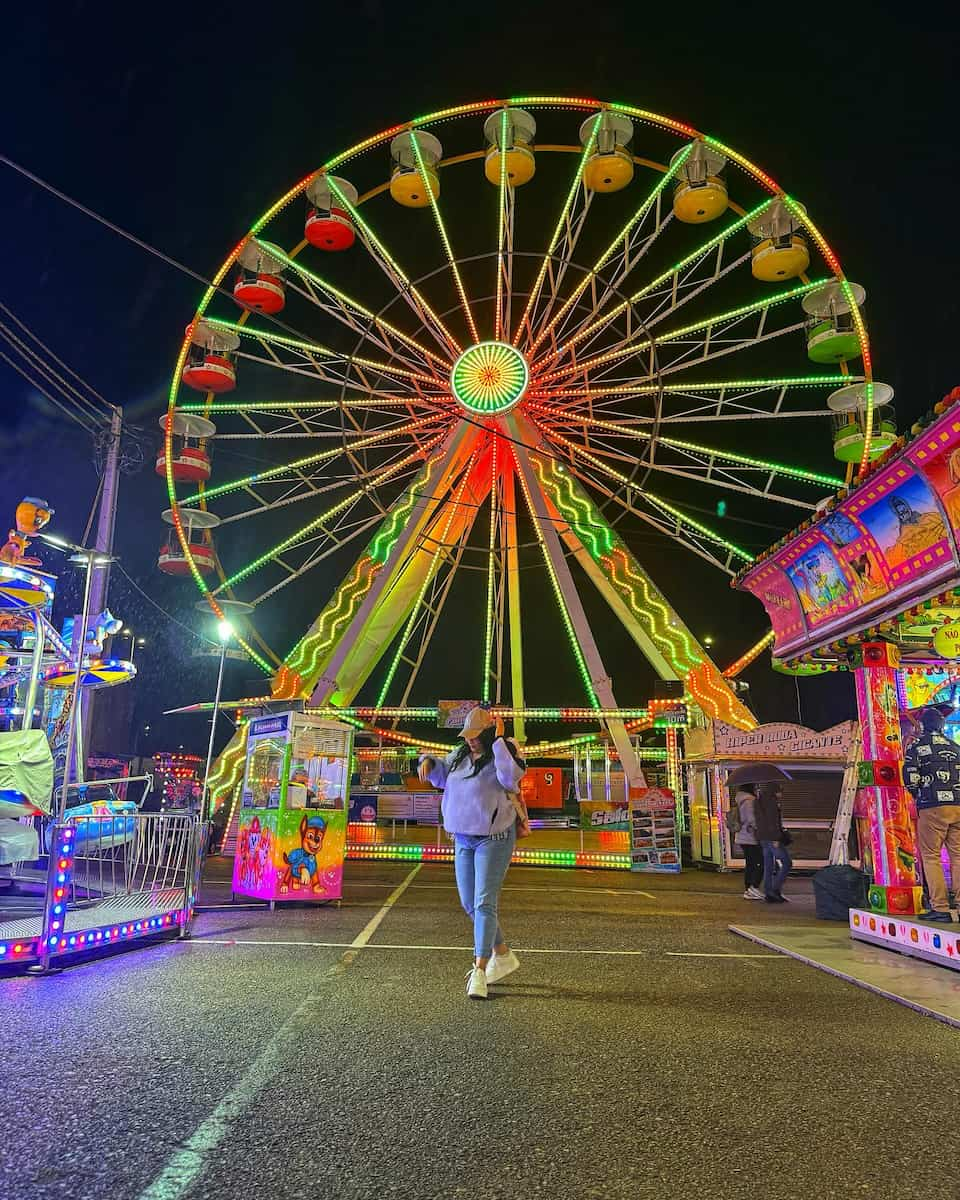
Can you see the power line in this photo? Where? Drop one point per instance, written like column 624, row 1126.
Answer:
column 36, row 363
column 71, row 413
column 59, row 361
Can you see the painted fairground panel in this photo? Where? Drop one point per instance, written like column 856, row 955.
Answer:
column 309, row 854
column 890, row 542
column 254, row 866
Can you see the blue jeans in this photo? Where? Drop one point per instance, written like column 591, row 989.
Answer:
column 776, row 867
column 480, row 864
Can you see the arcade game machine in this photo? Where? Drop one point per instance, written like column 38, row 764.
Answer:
column 294, row 801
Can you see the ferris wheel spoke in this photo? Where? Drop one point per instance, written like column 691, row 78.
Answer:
column 395, row 273
column 569, row 224
column 312, row 351
column 622, row 254
column 444, row 237
column 711, row 457
column 689, row 536
column 260, row 477
column 713, row 326
column 340, row 536
column 346, row 309
column 672, row 281
column 325, row 517
column 712, row 396
column 506, row 195
column 598, row 458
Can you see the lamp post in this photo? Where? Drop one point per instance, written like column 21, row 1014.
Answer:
column 224, row 634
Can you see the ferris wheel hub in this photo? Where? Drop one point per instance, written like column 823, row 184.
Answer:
column 490, row 378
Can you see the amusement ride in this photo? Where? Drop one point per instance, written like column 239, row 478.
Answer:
column 612, row 314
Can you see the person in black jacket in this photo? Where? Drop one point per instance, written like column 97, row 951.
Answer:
column 931, row 770
column 769, row 829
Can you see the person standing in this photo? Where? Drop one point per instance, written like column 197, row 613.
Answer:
column 745, row 836
column 479, row 779
column 931, row 770
column 770, row 834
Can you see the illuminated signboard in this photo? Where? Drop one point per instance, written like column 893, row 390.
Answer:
column 891, row 542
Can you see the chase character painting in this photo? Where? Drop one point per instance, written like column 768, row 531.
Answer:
column 302, row 869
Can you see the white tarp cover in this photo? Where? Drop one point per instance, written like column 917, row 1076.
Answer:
column 27, row 765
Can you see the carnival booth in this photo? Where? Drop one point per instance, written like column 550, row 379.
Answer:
column 871, row 585
column 813, row 796
column 294, row 802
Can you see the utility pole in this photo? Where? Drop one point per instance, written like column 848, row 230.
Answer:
column 106, row 519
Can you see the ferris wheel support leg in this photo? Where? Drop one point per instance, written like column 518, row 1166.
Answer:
column 512, row 556
column 456, row 454
column 580, row 627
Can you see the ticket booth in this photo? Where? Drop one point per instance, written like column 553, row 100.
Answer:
column 816, row 762
column 294, row 801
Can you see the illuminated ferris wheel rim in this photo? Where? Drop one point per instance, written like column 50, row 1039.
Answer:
column 640, row 115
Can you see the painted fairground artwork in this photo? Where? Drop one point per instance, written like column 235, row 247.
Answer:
column 309, row 854
column 283, row 855
column 901, row 512
column 254, row 872
column 773, row 588
column 820, row 582
column 937, row 454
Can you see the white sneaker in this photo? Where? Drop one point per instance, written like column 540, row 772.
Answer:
column 501, row 965
column 753, row 893
column 476, row 984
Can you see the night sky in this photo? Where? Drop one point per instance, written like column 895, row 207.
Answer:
column 182, row 128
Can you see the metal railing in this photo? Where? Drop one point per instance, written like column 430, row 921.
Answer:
column 127, row 852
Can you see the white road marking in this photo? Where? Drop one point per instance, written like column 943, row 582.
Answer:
column 703, row 954
column 464, row 949
column 185, row 1165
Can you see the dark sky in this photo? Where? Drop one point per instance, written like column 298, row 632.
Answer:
column 181, row 123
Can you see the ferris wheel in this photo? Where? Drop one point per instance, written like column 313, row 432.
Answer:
column 536, row 315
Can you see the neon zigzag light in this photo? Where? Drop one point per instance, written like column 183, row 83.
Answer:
column 590, row 527
column 302, row 660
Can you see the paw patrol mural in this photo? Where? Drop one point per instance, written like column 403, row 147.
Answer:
column 292, row 832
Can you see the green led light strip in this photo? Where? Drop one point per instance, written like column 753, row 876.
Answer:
column 439, row 548
column 734, row 314
column 574, row 188
column 394, row 265
column 349, row 302
column 280, row 339
column 384, row 401
column 317, row 522
column 491, row 573
column 715, row 385
column 832, row 481
column 372, row 439
column 448, row 248
column 603, row 545
column 704, row 530
column 614, row 245
column 302, row 659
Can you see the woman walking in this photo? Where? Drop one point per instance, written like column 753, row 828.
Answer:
column 479, row 779
column 746, row 838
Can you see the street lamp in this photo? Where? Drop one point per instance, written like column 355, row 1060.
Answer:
column 224, row 634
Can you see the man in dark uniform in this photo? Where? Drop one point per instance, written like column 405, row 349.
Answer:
column 932, row 773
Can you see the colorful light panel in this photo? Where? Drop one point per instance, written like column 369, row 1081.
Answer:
column 490, row 377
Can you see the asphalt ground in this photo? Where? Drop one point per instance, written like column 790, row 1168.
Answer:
column 641, row 1050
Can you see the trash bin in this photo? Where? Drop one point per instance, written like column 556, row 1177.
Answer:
column 837, row 890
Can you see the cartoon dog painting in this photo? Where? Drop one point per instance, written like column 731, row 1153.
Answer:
column 302, row 869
